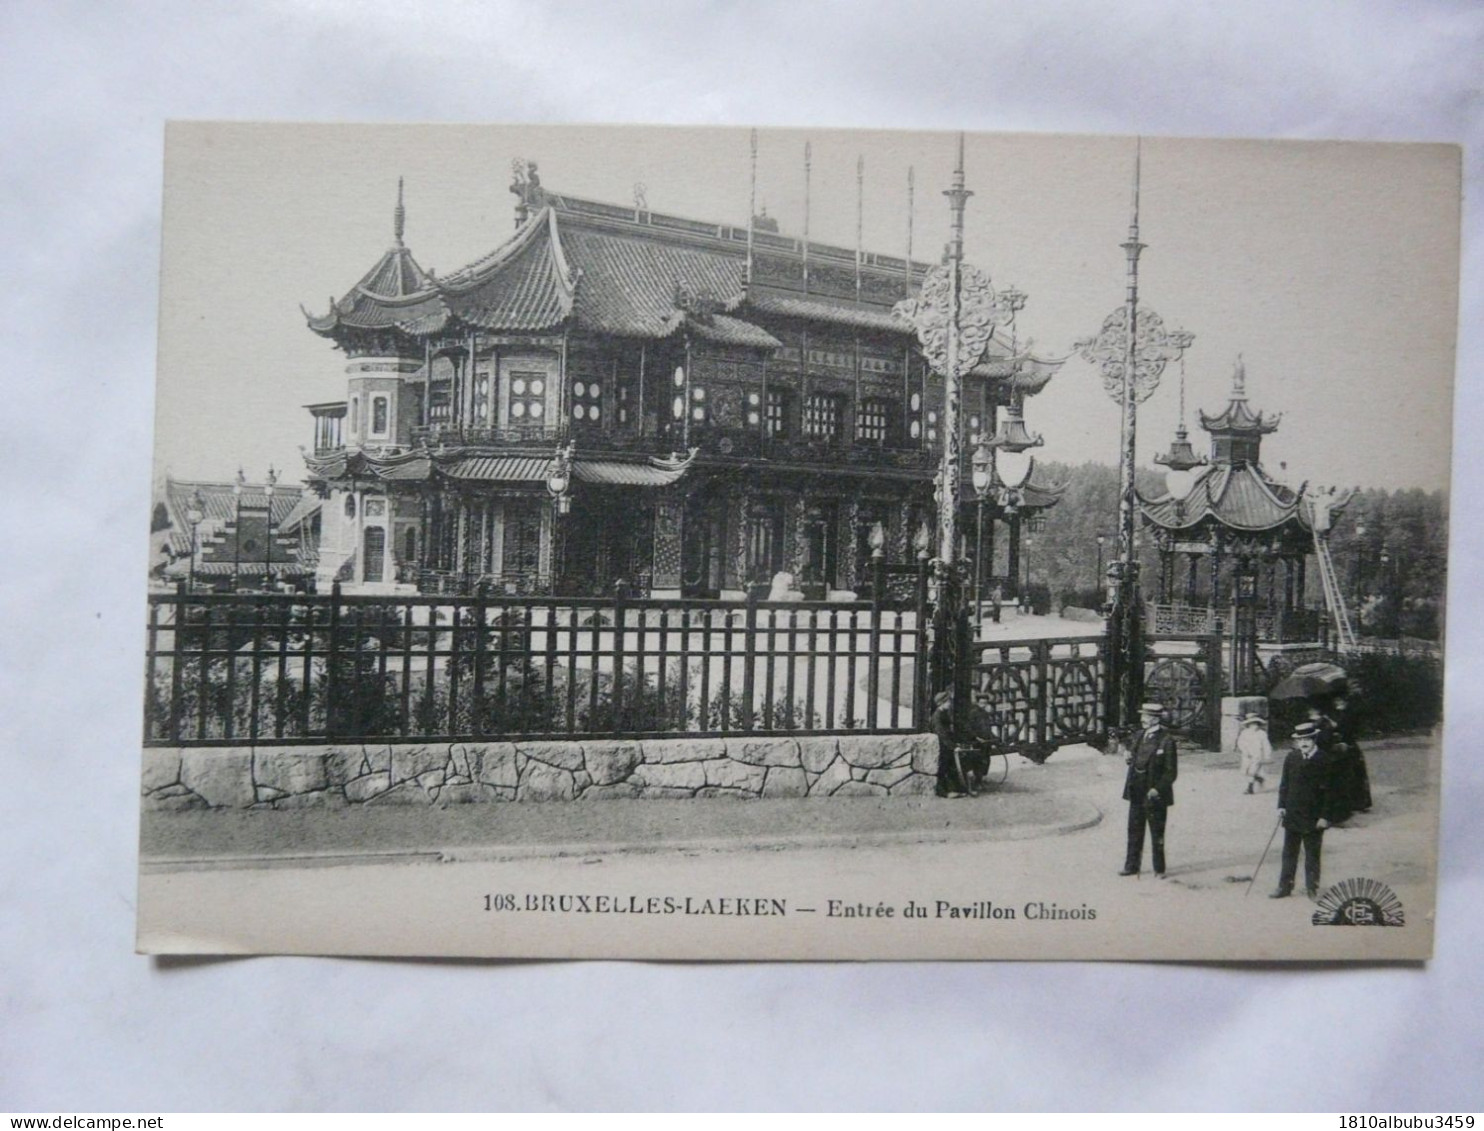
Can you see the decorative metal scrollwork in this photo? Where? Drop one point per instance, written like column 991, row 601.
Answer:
column 1180, row 684
column 1154, row 347
column 1072, row 706
column 981, row 311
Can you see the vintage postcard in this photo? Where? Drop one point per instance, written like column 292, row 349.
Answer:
column 775, row 544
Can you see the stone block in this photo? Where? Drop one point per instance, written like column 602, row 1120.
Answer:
column 319, row 799
column 915, row 785
column 408, row 762
column 734, row 775
column 563, row 755
column 658, row 751
column 873, row 751
column 817, row 753
column 292, row 770
column 663, row 792
column 377, row 758
column 268, row 794
column 888, row 777
column 925, row 754
column 342, row 763
column 403, row 793
column 860, row 789
column 623, row 789
column 175, row 798
column 609, row 762
column 367, row 786
column 467, row 793
column 540, row 781
column 689, row 776
column 431, row 781
column 764, row 751
column 495, row 763
column 221, row 775
column 785, row 781
column 836, row 774
column 716, row 791
column 161, row 768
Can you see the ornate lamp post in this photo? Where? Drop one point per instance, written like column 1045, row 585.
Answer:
column 982, row 475
column 1131, row 350
column 195, row 514
column 954, row 314
column 268, row 558
column 1098, row 577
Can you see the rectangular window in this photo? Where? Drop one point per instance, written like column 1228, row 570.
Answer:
column 587, row 402
column 778, row 413
column 378, row 416
column 481, row 397
column 527, row 399
column 873, row 423
column 822, row 416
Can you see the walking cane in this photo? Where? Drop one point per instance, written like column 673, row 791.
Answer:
column 1263, row 857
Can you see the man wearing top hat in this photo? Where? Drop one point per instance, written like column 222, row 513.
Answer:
column 1149, row 788
column 1304, row 808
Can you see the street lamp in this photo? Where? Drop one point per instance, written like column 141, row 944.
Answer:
column 559, row 479
column 982, row 474
column 1097, row 582
column 268, row 560
column 1131, row 351
column 195, row 514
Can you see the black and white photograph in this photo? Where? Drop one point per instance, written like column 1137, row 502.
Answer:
column 626, row 542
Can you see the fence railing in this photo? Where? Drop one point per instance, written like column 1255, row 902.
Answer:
column 224, row 668
column 1041, row 694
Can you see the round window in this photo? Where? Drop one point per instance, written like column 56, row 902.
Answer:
column 916, row 401
column 678, row 408
column 679, row 377
column 578, row 412
column 579, row 389
column 754, row 400
column 916, row 429
column 592, row 412
column 536, row 410
column 518, row 409
column 518, row 386
column 538, row 387
column 752, row 418
column 698, row 413
column 698, row 394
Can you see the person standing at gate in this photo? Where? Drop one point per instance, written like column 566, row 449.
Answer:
column 1303, row 809
column 1149, row 789
column 1255, row 749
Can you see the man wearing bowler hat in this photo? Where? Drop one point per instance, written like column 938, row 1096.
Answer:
column 1149, row 788
column 1304, row 809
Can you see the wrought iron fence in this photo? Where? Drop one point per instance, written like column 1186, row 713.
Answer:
column 223, row 668
column 1184, row 673
column 1041, row 694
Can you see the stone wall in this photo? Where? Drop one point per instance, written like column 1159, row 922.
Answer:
column 284, row 777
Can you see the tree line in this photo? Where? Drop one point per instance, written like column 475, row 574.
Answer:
column 1390, row 550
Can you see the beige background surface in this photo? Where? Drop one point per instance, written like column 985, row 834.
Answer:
column 90, row 1026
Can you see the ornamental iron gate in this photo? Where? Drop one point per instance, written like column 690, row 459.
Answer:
column 1042, row 694
column 1184, row 673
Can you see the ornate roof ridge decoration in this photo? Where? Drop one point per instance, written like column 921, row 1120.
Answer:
column 475, row 274
column 981, row 312
column 1236, row 417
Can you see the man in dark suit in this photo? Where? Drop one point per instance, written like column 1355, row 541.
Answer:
column 1149, row 788
column 1304, row 808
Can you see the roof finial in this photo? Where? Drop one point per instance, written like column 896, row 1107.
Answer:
column 1239, row 380
column 911, row 205
column 860, row 219
column 1133, row 226
column 751, row 206
column 808, row 166
column 399, row 216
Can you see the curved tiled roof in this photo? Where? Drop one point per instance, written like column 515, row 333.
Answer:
column 1237, row 496
column 395, row 294
column 523, row 285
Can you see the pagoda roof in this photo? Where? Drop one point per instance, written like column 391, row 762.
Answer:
column 476, row 465
column 1236, row 418
column 1239, row 497
column 632, row 273
column 219, row 501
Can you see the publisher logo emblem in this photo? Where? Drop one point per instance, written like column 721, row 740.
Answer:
column 1359, row 903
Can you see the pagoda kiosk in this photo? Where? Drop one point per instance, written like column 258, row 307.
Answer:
column 618, row 400
column 1226, row 533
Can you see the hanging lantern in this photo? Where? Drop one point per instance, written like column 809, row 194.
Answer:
column 559, row 479
column 982, row 470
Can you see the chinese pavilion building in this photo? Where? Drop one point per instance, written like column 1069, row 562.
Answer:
column 619, row 400
column 1234, row 532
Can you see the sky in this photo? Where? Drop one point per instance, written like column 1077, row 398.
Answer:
column 1331, row 268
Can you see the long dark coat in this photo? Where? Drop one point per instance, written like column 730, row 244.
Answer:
column 1305, row 793
column 1155, row 766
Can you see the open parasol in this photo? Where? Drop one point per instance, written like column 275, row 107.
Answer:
column 1311, row 680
